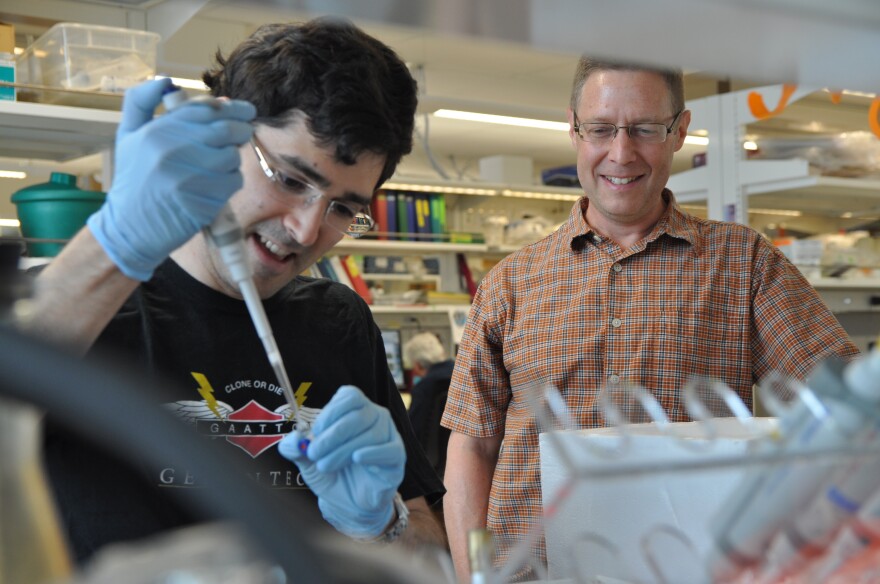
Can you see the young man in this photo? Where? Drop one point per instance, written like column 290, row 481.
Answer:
column 629, row 290
column 312, row 119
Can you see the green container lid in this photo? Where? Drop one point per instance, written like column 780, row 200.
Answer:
column 54, row 210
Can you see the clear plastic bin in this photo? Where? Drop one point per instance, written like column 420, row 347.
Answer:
column 77, row 58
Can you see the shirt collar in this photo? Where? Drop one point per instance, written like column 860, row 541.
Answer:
column 674, row 223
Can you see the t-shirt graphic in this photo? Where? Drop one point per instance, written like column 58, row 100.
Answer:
column 252, row 427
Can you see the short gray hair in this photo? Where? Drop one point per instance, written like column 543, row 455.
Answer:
column 588, row 65
column 424, row 349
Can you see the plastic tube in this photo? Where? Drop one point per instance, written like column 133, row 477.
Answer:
column 854, row 538
column 811, row 530
column 836, row 408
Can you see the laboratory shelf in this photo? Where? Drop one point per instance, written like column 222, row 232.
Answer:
column 391, row 248
column 786, row 184
column 54, row 132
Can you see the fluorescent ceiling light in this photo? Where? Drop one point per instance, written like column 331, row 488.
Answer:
column 531, row 123
column 186, row 83
column 858, row 93
column 452, row 190
column 540, row 195
column 504, row 120
column 17, row 174
column 10, row 223
column 696, row 140
column 783, row 212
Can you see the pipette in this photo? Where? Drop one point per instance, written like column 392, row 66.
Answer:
column 226, row 235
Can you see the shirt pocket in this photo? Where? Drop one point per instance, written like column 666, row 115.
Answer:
column 708, row 340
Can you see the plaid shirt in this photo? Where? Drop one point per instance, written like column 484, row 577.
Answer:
column 695, row 297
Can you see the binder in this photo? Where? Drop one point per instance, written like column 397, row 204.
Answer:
column 438, row 216
column 326, row 269
column 391, row 212
column 354, row 275
column 379, row 207
column 410, row 210
column 423, row 215
column 406, row 216
column 339, row 271
column 465, row 275
column 401, row 215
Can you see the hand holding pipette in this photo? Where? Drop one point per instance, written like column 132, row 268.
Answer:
column 172, row 175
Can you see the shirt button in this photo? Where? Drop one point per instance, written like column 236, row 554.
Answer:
column 617, row 267
column 614, row 379
column 597, row 239
column 616, row 322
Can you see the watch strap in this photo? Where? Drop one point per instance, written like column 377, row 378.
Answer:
column 395, row 530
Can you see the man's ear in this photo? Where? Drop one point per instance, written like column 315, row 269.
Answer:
column 572, row 135
column 681, row 133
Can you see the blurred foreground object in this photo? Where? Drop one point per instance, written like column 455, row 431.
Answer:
column 32, row 548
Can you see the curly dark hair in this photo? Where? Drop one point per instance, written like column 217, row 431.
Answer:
column 356, row 93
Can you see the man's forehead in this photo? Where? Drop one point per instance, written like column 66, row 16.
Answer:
column 296, row 133
column 611, row 88
column 624, row 79
column 294, row 130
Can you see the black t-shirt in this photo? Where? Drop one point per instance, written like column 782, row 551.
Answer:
column 426, row 410
column 216, row 376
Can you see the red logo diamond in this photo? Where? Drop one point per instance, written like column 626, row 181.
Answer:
column 256, row 427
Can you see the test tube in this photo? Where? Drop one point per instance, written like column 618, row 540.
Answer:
column 853, row 538
column 826, row 416
column 810, row 531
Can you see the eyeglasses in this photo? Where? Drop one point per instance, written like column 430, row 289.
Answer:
column 604, row 132
column 294, row 190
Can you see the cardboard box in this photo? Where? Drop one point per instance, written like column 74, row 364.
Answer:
column 7, row 38
column 601, row 528
column 504, row 169
column 7, row 61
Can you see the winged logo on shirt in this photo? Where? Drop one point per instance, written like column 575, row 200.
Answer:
column 253, row 428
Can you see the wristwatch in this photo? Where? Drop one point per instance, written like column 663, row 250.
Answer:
column 399, row 526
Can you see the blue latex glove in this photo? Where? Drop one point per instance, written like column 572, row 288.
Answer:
column 354, row 463
column 172, row 175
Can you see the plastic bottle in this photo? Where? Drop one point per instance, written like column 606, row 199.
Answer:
column 835, row 409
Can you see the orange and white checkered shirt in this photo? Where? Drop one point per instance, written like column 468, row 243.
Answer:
column 694, row 298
